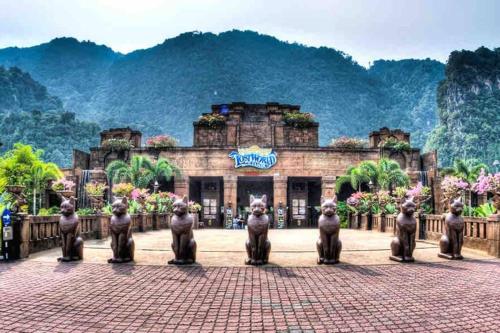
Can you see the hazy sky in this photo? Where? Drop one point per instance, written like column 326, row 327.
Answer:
column 365, row 29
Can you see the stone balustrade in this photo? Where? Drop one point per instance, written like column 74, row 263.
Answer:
column 479, row 233
column 42, row 232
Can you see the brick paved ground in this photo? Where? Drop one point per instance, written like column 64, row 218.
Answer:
column 441, row 297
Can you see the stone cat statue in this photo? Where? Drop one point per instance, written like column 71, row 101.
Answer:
column 453, row 235
column 258, row 245
column 403, row 244
column 69, row 227
column 183, row 243
column 329, row 244
column 122, row 242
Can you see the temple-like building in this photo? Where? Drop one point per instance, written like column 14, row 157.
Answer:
column 241, row 149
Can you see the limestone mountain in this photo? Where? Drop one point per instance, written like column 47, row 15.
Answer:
column 29, row 114
column 469, row 107
column 163, row 89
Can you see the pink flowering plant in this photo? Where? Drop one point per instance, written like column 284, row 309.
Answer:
column 453, row 187
column 63, row 185
column 162, row 141
column 487, row 183
column 194, row 207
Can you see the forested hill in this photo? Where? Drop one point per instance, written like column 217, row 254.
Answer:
column 30, row 115
column 469, row 107
column 164, row 88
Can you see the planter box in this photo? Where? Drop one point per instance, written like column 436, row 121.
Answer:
column 378, row 222
column 365, row 222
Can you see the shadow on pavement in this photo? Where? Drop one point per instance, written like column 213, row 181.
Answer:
column 66, row 267
column 362, row 270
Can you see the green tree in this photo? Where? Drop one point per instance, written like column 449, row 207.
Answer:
column 355, row 176
column 24, row 166
column 40, row 174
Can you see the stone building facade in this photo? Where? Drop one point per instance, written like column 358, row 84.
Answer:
column 253, row 149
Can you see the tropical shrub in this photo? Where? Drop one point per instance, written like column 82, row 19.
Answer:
column 298, row 119
column 342, row 212
column 485, row 210
column 85, row 211
column 194, row 207
column 141, row 171
column 345, row 142
column 134, row 207
column 123, row 189
column 54, row 210
column 212, row 120
column 162, row 141
column 63, row 185
column 95, row 188
column 117, row 144
column 107, row 210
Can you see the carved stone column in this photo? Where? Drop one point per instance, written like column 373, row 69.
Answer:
column 230, row 194
column 280, row 185
column 494, row 235
column 328, row 186
column 181, row 186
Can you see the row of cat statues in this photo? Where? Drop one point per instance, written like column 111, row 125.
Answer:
column 258, row 245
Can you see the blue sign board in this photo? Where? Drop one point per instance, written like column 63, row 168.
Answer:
column 6, row 218
column 254, row 157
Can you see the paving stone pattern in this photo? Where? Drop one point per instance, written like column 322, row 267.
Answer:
column 432, row 297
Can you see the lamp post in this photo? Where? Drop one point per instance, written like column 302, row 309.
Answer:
column 156, row 186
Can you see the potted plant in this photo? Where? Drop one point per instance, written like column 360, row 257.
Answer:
column 63, row 187
column 122, row 190
column 95, row 192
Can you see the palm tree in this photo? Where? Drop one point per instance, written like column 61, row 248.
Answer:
column 40, row 174
column 389, row 174
column 354, row 176
column 468, row 170
column 141, row 171
column 384, row 174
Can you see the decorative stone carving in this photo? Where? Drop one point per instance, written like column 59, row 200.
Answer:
column 403, row 244
column 453, row 234
column 329, row 245
column 69, row 227
column 120, row 229
column 183, row 243
column 258, row 245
